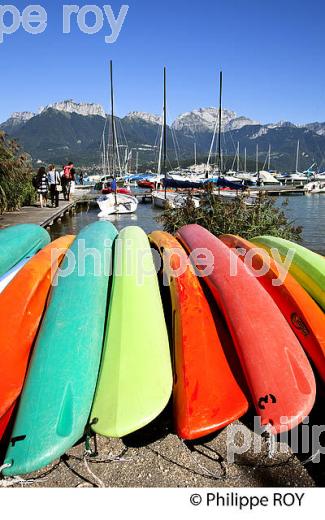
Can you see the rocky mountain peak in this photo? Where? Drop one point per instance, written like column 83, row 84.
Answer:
column 144, row 116
column 204, row 120
column 70, row 106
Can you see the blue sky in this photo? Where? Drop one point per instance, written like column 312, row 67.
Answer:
column 272, row 55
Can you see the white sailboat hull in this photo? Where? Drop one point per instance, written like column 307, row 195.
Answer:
column 118, row 204
column 171, row 200
column 315, row 187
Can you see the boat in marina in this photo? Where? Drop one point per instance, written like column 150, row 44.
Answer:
column 146, row 185
column 115, row 203
column 315, row 187
column 170, row 199
column 163, row 199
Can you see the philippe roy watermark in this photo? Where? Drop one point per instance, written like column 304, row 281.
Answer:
column 303, row 440
column 139, row 263
column 89, row 19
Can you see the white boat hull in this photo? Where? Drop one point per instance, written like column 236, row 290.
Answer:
column 118, row 204
column 315, row 187
column 171, row 200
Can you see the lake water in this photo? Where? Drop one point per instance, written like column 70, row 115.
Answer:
column 307, row 211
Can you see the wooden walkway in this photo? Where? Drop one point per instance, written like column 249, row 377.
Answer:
column 44, row 217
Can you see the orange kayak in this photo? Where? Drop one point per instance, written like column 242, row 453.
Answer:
column 304, row 316
column 206, row 395
column 277, row 371
column 22, row 305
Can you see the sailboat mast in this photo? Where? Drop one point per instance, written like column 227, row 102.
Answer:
column 238, row 156
column 269, row 162
column 297, row 158
column 113, row 128
column 195, row 154
column 257, row 165
column 160, row 146
column 245, row 161
column 104, row 154
column 220, row 122
column 165, row 129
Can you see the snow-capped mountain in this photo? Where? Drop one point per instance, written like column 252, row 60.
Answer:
column 67, row 130
column 70, row 106
column 204, row 120
column 19, row 118
column 318, row 128
column 281, row 124
column 144, row 116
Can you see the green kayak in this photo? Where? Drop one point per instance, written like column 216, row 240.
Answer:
column 62, row 377
column 307, row 267
column 135, row 381
column 18, row 242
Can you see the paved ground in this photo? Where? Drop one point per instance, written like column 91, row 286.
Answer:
column 155, row 457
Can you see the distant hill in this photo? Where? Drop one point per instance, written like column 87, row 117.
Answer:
column 69, row 130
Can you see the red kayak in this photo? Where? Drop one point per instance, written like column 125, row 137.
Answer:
column 21, row 309
column 304, row 316
column 277, row 371
column 203, row 380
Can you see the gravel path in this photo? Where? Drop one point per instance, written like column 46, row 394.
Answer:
column 155, row 457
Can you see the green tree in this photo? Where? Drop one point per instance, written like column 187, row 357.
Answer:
column 222, row 216
column 16, row 174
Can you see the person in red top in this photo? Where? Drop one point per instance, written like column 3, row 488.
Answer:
column 66, row 180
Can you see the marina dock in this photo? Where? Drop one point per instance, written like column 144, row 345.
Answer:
column 44, row 217
column 279, row 190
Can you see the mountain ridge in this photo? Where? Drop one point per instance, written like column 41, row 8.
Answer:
column 69, row 129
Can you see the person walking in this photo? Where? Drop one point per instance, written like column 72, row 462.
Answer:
column 66, row 180
column 42, row 186
column 55, row 184
column 63, row 183
column 72, row 182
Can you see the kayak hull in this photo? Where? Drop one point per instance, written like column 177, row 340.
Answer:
column 203, row 380
column 10, row 275
column 277, row 371
column 22, row 305
column 18, row 242
column 64, row 366
column 135, row 381
column 304, row 316
column 307, row 267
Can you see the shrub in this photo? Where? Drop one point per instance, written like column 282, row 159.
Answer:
column 232, row 216
column 15, row 176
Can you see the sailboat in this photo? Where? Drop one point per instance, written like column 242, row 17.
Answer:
column 163, row 199
column 115, row 203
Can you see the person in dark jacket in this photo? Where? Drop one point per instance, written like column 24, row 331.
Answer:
column 42, row 186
